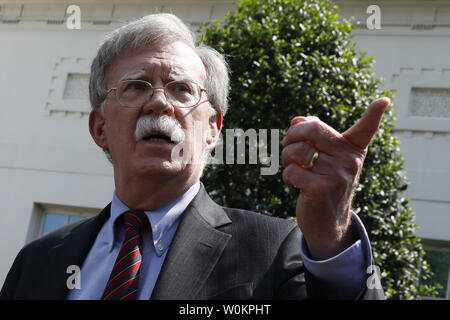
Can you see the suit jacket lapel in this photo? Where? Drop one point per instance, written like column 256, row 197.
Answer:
column 195, row 250
column 72, row 249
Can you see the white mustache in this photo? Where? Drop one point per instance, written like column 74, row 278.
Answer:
column 166, row 125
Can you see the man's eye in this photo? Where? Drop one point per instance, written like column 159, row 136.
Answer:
column 181, row 87
column 135, row 86
column 138, row 86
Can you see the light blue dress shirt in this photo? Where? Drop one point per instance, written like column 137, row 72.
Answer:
column 95, row 271
column 345, row 271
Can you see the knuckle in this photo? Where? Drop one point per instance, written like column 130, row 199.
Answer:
column 286, row 151
column 354, row 165
column 299, row 148
column 290, row 169
column 296, row 152
column 315, row 124
column 287, row 173
column 286, row 155
column 317, row 128
column 304, row 153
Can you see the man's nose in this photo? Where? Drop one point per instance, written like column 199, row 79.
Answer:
column 158, row 104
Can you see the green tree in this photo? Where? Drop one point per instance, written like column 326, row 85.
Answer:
column 291, row 58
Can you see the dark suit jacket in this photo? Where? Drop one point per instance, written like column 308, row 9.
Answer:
column 217, row 253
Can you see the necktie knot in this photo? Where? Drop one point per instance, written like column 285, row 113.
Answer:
column 135, row 219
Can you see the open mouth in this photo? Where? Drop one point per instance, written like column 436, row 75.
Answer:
column 161, row 138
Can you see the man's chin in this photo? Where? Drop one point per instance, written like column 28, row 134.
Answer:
column 158, row 166
column 167, row 167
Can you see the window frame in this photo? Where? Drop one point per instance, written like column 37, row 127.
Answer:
column 40, row 211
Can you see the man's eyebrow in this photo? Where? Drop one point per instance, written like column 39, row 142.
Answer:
column 134, row 75
column 180, row 76
column 173, row 75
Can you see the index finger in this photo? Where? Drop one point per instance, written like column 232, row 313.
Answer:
column 316, row 133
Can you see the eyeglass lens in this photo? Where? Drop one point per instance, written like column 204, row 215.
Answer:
column 136, row 93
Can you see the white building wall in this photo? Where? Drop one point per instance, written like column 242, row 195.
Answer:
column 412, row 50
column 46, row 157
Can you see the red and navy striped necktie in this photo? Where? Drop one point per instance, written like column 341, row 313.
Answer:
column 124, row 278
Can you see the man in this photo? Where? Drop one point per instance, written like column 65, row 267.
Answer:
column 162, row 237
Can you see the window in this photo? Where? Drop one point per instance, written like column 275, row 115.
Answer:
column 438, row 256
column 46, row 218
column 430, row 102
column 53, row 221
column 68, row 88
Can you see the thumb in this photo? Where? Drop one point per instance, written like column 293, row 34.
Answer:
column 361, row 133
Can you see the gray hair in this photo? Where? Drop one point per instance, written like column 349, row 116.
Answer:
column 158, row 29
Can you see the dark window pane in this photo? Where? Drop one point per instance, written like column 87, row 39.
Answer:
column 53, row 222
column 439, row 263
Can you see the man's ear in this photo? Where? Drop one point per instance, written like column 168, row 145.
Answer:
column 96, row 128
column 215, row 125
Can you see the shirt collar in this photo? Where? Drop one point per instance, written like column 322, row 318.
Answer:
column 161, row 219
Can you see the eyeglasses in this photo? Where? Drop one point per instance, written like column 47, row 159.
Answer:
column 137, row 93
